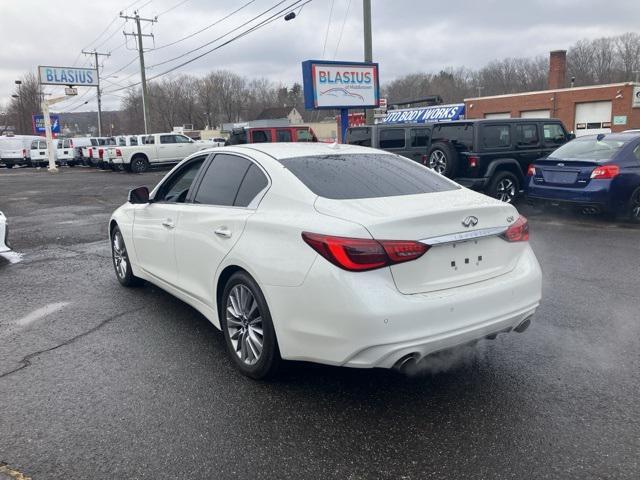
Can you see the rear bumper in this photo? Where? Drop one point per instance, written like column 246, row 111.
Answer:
column 362, row 320
column 595, row 194
column 14, row 161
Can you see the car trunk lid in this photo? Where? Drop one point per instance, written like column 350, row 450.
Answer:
column 564, row 173
column 461, row 226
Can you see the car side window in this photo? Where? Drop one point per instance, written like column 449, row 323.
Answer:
column 221, row 181
column 176, row 189
column 553, row 134
column 182, row 139
column 496, row 136
column 164, row 139
column 253, row 183
column 304, row 135
column 392, row 138
column 636, row 152
column 149, row 140
column 359, row 136
column 527, row 134
column 261, row 136
column 419, row 137
column 283, row 135
column 133, row 141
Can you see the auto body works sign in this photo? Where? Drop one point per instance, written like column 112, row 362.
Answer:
column 38, row 123
column 340, row 84
column 79, row 77
column 436, row 113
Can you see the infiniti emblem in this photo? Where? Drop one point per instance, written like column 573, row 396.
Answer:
column 470, row 221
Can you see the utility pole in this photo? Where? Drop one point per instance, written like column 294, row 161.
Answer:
column 368, row 55
column 143, row 76
column 96, row 55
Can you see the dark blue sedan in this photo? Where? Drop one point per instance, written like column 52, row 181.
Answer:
column 597, row 173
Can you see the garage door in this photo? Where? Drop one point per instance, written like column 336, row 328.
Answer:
column 497, row 115
column 536, row 114
column 592, row 118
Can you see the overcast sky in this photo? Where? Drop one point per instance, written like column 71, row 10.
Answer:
column 408, row 35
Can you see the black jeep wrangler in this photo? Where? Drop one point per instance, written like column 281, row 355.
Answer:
column 492, row 155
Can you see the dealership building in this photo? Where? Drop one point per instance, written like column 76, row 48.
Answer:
column 584, row 110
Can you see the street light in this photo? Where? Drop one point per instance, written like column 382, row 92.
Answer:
column 20, row 107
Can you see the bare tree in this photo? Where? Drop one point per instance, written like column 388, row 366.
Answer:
column 627, row 48
column 26, row 103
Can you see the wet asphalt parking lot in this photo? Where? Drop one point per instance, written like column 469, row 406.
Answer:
column 102, row 382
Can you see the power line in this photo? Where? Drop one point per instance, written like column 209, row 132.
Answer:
column 263, row 23
column 205, row 28
column 121, row 68
column 346, row 14
column 326, row 35
column 173, row 8
column 221, row 36
column 110, row 36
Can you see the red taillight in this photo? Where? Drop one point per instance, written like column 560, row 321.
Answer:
column 531, row 171
column 360, row 254
column 24, row 153
column 424, row 159
column 118, row 152
column 518, row 232
column 90, row 152
column 605, row 171
column 473, row 161
column 100, row 152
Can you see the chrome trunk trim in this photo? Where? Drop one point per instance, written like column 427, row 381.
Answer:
column 464, row 236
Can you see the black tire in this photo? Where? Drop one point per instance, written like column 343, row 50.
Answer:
column 121, row 262
column 268, row 362
column 442, row 158
column 9, row 165
column 504, row 186
column 634, row 206
column 139, row 164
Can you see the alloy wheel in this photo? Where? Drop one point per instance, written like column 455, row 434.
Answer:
column 120, row 258
column 244, row 324
column 635, row 207
column 438, row 161
column 506, row 190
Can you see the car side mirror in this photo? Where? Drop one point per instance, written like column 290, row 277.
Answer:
column 138, row 195
column 571, row 136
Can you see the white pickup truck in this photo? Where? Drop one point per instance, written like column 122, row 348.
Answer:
column 157, row 149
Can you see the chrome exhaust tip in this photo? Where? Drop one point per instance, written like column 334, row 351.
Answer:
column 407, row 363
column 522, row 326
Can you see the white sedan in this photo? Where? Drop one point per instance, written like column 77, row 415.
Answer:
column 336, row 254
column 4, row 233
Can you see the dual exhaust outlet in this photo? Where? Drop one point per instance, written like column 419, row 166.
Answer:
column 409, row 363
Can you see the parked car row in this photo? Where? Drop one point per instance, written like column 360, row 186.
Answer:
column 508, row 157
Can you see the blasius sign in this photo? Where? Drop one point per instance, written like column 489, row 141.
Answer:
column 436, row 113
column 340, row 84
column 79, row 77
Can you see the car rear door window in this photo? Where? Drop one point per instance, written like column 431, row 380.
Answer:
column 261, row 136
column 459, row 135
column 352, row 176
column 304, row 135
column 392, row 138
column 419, row 137
column 253, row 183
column 496, row 136
column 221, row 181
column 359, row 136
column 527, row 134
column 283, row 135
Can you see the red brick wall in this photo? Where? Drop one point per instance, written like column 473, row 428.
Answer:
column 561, row 104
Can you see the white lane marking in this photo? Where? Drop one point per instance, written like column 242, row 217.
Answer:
column 40, row 313
column 12, row 257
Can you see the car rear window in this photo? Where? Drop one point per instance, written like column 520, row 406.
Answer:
column 351, row 176
column 590, row 148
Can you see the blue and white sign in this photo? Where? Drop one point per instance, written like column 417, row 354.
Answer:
column 38, row 123
column 78, row 77
column 340, row 84
column 437, row 113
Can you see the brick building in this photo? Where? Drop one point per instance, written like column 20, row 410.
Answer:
column 583, row 110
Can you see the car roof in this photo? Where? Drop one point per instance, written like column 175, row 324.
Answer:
column 624, row 136
column 305, row 149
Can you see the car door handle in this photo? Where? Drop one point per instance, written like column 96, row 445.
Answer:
column 168, row 223
column 223, row 232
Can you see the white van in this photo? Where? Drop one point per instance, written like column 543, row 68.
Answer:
column 15, row 150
